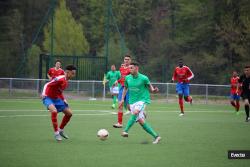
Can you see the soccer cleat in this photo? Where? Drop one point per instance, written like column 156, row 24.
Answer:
column 58, row 137
column 247, row 119
column 157, row 140
column 124, row 134
column 181, row 114
column 63, row 134
column 117, row 125
column 113, row 106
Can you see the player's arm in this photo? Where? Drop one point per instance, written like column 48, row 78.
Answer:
column 48, row 74
column 174, row 78
column 190, row 75
column 153, row 89
column 125, row 90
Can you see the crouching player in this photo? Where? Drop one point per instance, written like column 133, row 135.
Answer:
column 138, row 86
column 54, row 100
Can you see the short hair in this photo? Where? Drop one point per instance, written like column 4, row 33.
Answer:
column 70, row 67
column 134, row 63
column 127, row 55
column 57, row 60
column 247, row 66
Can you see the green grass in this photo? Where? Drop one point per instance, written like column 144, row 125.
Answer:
column 201, row 138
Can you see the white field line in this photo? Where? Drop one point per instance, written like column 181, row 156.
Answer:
column 99, row 113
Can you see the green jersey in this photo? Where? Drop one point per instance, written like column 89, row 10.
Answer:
column 138, row 87
column 113, row 76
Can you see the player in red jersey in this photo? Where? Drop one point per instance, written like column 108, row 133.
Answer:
column 235, row 94
column 55, row 102
column 182, row 74
column 55, row 71
column 124, row 70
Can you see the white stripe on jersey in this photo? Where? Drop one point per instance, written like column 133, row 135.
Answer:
column 192, row 76
column 52, row 81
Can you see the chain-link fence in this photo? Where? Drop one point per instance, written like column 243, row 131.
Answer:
column 31, row 88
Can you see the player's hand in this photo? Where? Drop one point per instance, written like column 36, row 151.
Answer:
column 121, row 103
column 156, row 89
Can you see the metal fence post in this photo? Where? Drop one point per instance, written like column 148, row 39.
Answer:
column 10, row 87
column 78, row 87
column 167, row 91
column 93, row 89
column 206, row 101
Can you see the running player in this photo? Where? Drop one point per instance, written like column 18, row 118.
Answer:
column 124, row 70
column 235, row 97
column 138, row 86
column 182, row 74
column 245, row 94
column 112, row 77
column 55, row 71
column 55, row 102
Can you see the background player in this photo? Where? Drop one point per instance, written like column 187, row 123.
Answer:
column 55, row 102
column 124, row 70
column 245, row 94
column 55, row 71
column 138, row 86
column 182, row 74
column 112, row 77
column 235, row 97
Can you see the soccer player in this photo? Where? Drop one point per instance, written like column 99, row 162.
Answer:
column 112, row 77
column 138, row 86
column 55, row 71
column 55, row 102
column 235, row 97
column 124, row 70
column 182, row 74
column 245, row 94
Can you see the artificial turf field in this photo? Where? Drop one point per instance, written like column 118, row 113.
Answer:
column 201, row 138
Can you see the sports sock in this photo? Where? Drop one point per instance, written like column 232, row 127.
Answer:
column 130, row 123
column 233, row 103
column 65, row 120
column 237, row 105
column 181, row 105
column 149, row 129
column 120, row 115
column 188, row 98
column 114, row 99
column 247, row 110
column 54, row 120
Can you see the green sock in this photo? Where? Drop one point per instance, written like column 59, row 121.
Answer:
column 114, row 99
column 130, row 122
column 149, row 129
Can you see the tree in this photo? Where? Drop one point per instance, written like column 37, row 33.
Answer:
column 69, row 37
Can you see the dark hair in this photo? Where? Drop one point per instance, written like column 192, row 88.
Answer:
column 57, row 60
column 247, row 66
column 127, row 55
column 134, row 63
column 70, row 67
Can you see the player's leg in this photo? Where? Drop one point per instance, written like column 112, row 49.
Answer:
column 126, row 104
column 232, row 101
column 180, row 97
column 186, row 93
column 66, row 118
column 237, row 100
column 246, row 103
column 49, row 103
column 120, row 110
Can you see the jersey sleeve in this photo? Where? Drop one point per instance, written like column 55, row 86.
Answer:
column 50, row 72
column 126, row 82
column 174, row 78
column 146, row 81
column 190, row 74
column 108, row 76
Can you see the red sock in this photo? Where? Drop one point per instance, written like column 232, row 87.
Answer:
column 120, row 115
column 233, row 103
column 65, row 120
column 181, row 105
column 54, row 120
column 189, row 98
column 237, row 105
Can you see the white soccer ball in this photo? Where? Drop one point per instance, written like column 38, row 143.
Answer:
column 102, row 134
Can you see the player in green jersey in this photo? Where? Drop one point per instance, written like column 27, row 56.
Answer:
column 112, row 77
column 139, row 96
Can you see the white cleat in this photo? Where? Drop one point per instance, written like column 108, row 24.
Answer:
column 157, row 140
column 117, row 125
column 181, row 114
column 124, row 134
column 58, row 137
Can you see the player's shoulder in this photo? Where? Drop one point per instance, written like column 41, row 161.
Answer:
column 143, row 76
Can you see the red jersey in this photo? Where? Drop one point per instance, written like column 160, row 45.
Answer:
column 124, row 72
column 55, row 73
column 182, row 74
column 54, row 88
column 234, row 85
